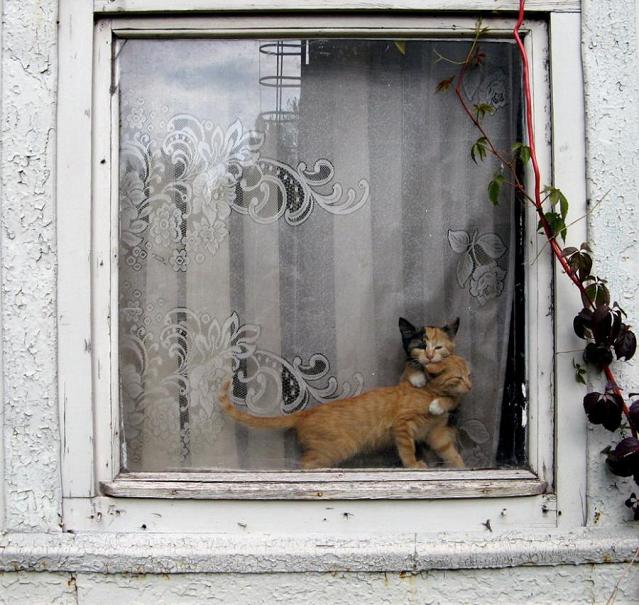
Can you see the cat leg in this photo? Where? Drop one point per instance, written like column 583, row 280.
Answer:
column 404, row 436
column 312, row 459
column 442, row 441
column 441, row 405
column 417, row 378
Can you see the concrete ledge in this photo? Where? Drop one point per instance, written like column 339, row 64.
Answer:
column 184, row 553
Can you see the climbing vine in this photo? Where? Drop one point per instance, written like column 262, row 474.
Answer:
column 602, row 324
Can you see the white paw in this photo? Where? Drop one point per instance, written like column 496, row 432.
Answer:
column 435, row 408
column 417, row 380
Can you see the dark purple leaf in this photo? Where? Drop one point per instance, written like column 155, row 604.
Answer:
column 581, row 323
column 606, row 324
column 624, row 459
column 626, row 343
column 597, row 355
column 633, row 414
column 604, row 409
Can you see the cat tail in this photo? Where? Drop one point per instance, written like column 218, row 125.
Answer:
column 274, row 422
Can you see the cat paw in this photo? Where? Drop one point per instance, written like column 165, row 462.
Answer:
column 435, row 408
column 420, row 464
column 417, row 380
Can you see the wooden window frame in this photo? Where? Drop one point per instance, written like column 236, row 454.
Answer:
column 87, row 279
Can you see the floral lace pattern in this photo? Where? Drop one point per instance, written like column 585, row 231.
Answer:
column 198, row 174
column 188, row 362
column 478, row 263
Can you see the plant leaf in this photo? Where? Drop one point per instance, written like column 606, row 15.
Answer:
column 556, row 223
column 522, row 152
column 494, row 188
column 444, row 85
column 479, row 148
column 482, row 109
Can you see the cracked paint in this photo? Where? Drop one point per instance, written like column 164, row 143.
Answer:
column 31, row 441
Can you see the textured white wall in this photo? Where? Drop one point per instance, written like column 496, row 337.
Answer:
column 30, row 461
column 551, row 585
column 30, row 405
column 611, row 72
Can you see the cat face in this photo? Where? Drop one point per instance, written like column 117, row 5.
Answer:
column 429, row 344
column 451, row 376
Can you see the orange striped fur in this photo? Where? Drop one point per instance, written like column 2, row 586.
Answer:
column 335, row 431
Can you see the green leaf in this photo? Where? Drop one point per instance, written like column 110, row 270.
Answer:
column 400, row 45
column 482, row 109
column 597, row 291
column 556, row 223
column 479, row 149
column 563, row 205
column 557, row 197
column 522, row 152
column 494, row 188
column 444, row 85
column 580, row 372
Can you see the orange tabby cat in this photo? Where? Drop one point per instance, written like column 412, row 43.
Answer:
column 429, row 344
column 332, row 432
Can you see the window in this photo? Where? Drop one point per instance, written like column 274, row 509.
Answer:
column 270, row 194
column 282, row 204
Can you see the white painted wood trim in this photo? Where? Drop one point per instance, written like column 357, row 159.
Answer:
column 333, row 475
column 164, row 6
column 131, row 514
column 569, row 174
column 343, row 485
column 310, row 517
column 74, row 247
column 326, row 490
column 305, row 25
column 539, row 279
column 209, row 553
column 105, row 227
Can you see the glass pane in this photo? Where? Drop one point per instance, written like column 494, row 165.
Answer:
column 282, row 204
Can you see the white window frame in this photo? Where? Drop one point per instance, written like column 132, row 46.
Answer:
column 549, row 495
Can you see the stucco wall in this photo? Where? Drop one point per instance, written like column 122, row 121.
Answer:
column 611, row 71
column 30, row 436
column 551, row 585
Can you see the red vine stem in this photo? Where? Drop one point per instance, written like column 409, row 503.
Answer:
column 533, row 157
column 538, row 201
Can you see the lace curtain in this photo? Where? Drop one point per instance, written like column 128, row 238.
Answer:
column 281, row 205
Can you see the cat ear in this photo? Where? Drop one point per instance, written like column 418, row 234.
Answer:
column 452, row 327
column 406, row 328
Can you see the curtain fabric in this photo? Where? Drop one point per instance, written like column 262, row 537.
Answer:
column 281, row 205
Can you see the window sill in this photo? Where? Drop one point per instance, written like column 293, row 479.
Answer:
column 344, row 485
column 186, row 553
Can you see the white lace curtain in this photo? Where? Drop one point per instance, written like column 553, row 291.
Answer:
column 281, row 205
